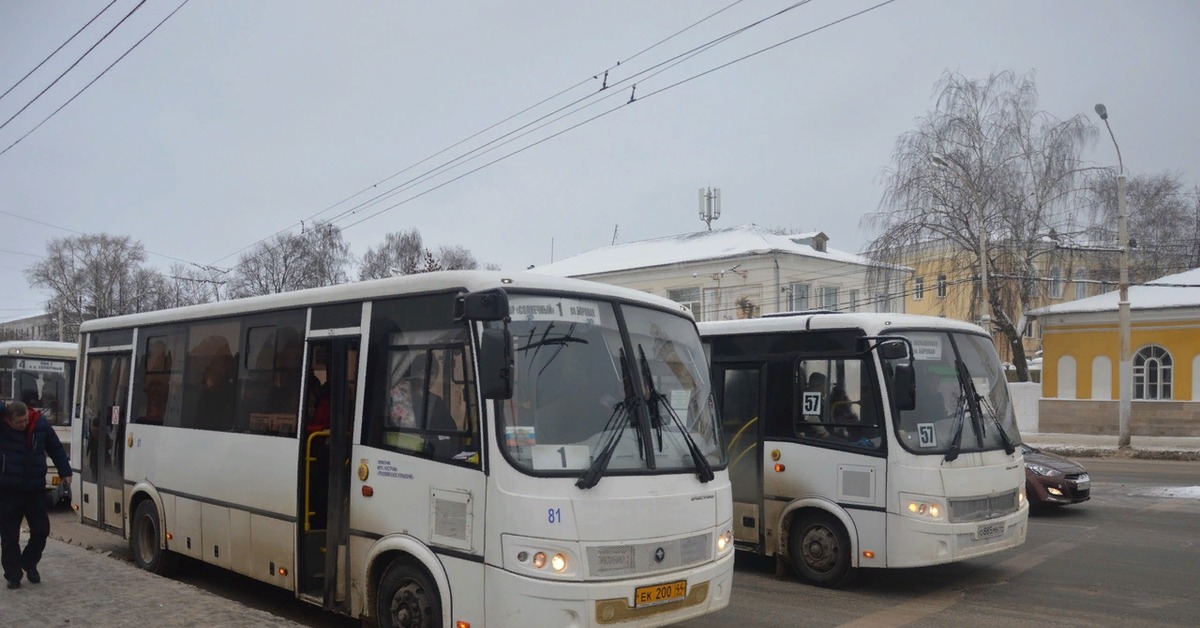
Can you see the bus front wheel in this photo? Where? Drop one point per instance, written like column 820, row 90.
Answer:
column 819, row 549
column 407, row 598
column 144, row 541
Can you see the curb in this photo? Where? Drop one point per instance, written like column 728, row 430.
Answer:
column 1077, row 451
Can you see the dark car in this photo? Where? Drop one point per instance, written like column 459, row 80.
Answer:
column 1052, row 479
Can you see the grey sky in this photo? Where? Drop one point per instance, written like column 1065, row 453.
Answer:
column 238, row 119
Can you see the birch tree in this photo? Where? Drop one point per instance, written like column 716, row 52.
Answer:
column 985, row 160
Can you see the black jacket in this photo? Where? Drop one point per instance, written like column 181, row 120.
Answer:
column 23, row 455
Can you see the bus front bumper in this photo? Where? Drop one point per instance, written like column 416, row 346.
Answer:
column 516, row 600
column 914, row 543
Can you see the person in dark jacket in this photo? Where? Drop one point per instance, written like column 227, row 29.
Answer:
column 25, row 441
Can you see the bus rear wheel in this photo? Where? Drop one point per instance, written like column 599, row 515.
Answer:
column 145, row 544
column 819, row 549
column 407, row 598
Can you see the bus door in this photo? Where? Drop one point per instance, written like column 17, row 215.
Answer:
column 328, row 420
column 741, row 409
column 106, row 392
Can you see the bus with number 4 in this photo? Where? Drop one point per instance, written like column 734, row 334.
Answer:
column 867, row 441
column 443, row 449
column 41, row 374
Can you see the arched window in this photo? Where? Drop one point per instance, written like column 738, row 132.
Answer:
column 1152, row 373
column 1066, row 377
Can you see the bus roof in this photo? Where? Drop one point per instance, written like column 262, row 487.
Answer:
column 39, row 349
column 871, row 323
column 467, row 280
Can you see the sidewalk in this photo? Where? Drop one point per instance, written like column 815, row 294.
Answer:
column 87, row 588
column 1102, row 446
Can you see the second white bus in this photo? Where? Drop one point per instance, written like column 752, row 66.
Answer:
column 41, row 373
column 459, row 449
column 867, row 441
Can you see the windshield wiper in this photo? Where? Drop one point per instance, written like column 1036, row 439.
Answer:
column 1008, row 446
column 968, row 403
column 964, row 377
column 614, row 429
column 656, row 401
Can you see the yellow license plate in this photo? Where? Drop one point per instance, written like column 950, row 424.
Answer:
column 660, row 593
column 54, row 481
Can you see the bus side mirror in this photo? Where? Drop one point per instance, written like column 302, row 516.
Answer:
column 496, row 363
column 485, row 305
column 893, row 350
column 904, row 387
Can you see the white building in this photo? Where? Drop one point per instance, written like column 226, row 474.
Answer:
column 36, row 327
column 741, row 272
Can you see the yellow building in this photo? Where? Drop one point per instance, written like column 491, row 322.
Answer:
column 1081, row 359
column 945, row 282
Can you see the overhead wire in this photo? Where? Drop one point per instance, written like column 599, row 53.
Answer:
column 511, row 117
column 72, row 66
column 674, row 61
column 102, row 73
column 60, row 47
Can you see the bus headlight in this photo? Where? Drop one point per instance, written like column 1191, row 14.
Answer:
column 540, row 558
column 923, row 507
column 724, row 542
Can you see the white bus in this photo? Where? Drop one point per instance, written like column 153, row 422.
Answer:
column 41, row 374
column 867, row 440
column 458, row 449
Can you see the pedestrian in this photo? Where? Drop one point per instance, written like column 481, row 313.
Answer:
column 25, row 441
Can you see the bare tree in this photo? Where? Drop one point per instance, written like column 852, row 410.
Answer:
column 190, row 285
column 455, row 257
column 276, row 265
column 986, row 153
column 400, row 254
column 95, row 276
column 318, row 256
column 328, row 256
column 1164, row 224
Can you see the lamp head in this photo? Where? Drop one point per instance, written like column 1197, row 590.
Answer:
column 1101, row 111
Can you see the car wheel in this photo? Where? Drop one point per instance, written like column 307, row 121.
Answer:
column 407, row 598
column 144, row 541
column 819, row 549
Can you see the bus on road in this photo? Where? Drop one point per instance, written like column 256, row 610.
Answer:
column 41, row 374
column 867, row 441
column 457, row 448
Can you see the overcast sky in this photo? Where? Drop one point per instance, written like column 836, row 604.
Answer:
column 237, row 119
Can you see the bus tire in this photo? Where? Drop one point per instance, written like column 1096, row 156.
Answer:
column 144, row 541
column 819, row 549
column 407, row 598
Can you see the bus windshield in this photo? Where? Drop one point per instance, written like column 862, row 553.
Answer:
column 950, row 369
column 42, row 384
column 582, row 393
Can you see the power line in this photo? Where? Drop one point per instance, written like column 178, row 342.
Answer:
column 60, row 47
column 110, row 66
column 451, row 163
column 72, row 66
column 693, row 52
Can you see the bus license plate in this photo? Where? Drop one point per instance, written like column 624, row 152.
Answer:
column 660, row 593
column 989, row 530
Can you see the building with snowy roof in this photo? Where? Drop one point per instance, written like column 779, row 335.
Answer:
column 742, row 272
column 1081, row 358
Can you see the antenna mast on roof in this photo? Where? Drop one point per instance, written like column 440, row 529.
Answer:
column 710, row 205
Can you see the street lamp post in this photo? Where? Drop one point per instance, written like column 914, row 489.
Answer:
column 1125, row 371
column 985, row 317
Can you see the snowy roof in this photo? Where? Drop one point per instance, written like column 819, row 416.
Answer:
column 1172, row 291
column 693, row 247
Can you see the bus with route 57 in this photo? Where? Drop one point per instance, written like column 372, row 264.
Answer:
column 867, row 441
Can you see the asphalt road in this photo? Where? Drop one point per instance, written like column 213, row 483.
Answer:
column 1130, row 556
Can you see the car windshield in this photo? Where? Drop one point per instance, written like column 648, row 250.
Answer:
column 950, row 368
column 580, row 390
